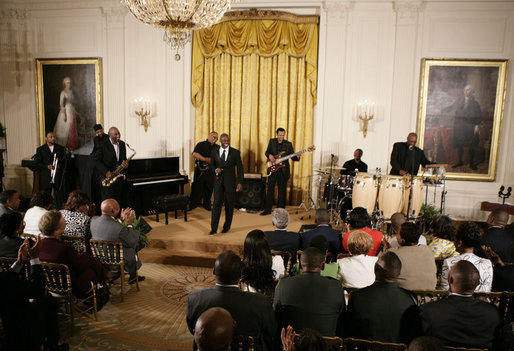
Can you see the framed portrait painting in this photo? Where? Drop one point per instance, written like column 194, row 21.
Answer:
column 460, row 114
column 69, row 101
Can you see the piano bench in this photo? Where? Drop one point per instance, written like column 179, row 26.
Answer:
column 173, row 202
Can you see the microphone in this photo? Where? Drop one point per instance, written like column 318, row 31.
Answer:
column 411, row 147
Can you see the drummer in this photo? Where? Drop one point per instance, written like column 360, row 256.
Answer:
column 350, row 167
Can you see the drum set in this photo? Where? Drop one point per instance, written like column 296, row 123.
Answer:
column 381, row 195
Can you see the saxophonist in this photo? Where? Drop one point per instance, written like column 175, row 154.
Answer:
column 110, row 154
column 50, row 158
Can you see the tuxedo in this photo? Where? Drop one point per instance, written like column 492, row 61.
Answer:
column 382, row 312
column 225, row 184
column 45, row 157
column 402, row 158
column 281, row 176
column 106, row 161
column 333, row 237
column 309, row 301
column 251, row 311
column 460, row 321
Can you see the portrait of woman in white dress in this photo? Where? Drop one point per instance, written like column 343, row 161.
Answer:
column 65, row 129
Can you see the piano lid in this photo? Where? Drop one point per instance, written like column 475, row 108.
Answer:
column 153, row 167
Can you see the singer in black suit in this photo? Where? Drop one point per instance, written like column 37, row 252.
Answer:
column 280, row 177
column 406, row 157
column 224, row 161
column 45, row 162
column 109, row 155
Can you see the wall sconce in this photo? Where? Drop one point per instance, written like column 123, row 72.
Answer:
column 365, row 113
column 142, row 108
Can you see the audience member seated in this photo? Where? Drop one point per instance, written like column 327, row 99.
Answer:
column 39, row 204
column 503, row 273
column 468, row 237
column 426, row 343
column 84, row 268
column 357, row 271
column 106, row 227
column 9, row 201
column 419, row 271
column 27, row 324
column 77, row 214
column 258, row 274
column 360, row 219
column 307, row 340
column 383, row 311
column 280, row 238
column 496, row 237
column 460, row 319
column 213, row 330
column 322, row 220
column 252, row 312
column 442, row 230
column 331, row 269
column 11, row 226
column 310, row 300
column 397, row 219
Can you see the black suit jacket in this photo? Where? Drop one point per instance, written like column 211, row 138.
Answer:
column 382, row 312
column 97, row 141
column 288, row 149
column 45, row 157
column 15, row 309
column 460, row 321
column 309, row 301
column 500, row 240
column 399, row 155
column 228, row 176
column 251, row 311
column 105, row 156
column 333, row 236
column 282, row 240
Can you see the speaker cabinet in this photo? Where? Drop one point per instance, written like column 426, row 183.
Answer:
column 253, row 194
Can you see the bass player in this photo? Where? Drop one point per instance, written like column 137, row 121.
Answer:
column 110, row 154
column 203, row 183
column 278, row 147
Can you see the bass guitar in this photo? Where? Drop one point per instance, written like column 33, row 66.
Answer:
column 279, row 159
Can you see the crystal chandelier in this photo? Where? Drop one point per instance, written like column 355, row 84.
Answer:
column 178, row 17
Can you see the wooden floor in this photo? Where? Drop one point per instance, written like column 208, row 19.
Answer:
column 189, row 243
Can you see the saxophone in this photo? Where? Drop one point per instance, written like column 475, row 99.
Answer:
column 116, row 174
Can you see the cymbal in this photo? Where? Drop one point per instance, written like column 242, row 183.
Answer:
column 334, row 168
column 436, row 165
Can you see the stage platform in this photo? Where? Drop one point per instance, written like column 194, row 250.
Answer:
column 189, row 243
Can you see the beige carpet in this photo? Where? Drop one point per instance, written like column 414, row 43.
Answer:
column 151, row 319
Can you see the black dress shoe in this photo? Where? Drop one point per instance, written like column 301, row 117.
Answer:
column 192, row 207
column 139, row 279
column 212, row 232
column 225, row 230
column 208, row 208
column 265, row 213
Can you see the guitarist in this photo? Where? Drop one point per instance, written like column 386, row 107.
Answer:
column 278, row 147
column 203, row 182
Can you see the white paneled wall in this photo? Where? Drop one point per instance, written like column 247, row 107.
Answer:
column 369, row 50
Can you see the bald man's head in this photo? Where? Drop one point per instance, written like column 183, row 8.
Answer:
column 397, row 220
column 114, row 135
column 498, row 218
column 214, row 329
column 463, row 278
column 388, row 267
column 110, row 207
column 312, row 260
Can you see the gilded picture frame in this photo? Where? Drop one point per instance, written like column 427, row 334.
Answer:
column 69, row 101
column 460, row 113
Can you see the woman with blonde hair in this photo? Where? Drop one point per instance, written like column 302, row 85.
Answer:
column 358, row 270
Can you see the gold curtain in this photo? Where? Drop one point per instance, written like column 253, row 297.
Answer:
column 250, row 77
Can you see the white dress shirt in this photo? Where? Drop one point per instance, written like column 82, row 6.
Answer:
column 116, row 149
column 226, row 153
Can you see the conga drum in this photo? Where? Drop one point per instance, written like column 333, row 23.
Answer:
column 417, row 196
column 364, row 194
column 391, row 195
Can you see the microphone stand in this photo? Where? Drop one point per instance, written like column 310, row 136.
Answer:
column 411, row 182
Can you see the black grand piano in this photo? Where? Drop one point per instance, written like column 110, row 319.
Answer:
column 150, row 177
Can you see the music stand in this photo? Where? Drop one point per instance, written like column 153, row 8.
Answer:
column 436, row 178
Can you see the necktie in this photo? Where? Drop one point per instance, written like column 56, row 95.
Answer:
column 223, row 156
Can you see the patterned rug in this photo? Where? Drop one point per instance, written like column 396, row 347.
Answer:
column 151, row 319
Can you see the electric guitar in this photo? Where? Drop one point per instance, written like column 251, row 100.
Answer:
column 275, row 166
column 202, row 166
